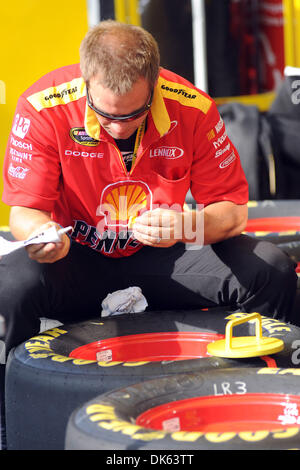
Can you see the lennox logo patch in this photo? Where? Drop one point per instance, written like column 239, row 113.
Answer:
column 167, row 152
column 80, row 136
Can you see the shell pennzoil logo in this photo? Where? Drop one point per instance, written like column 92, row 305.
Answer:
column 121, row 203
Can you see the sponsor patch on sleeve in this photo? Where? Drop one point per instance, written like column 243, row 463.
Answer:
column 21, row 126
column 57, row 95
column 185, row 95
column 228, row 160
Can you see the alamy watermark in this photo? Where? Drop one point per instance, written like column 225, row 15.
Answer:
column 296, row 353
column 2, row 92
column 295, row 97
column 120, row 215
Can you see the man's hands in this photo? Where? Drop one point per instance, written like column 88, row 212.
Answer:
column 48, row 252
column 160, row 228
column 26, row 222
column 211, row 224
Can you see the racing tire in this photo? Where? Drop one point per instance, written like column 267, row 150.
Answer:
column 278, row 230
column 277, row 221
column 223, row 409
column 44, row 384
column 273, row 208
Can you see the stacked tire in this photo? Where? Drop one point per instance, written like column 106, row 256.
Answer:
column 63, row 369
column 46, row 380
column 256, row 409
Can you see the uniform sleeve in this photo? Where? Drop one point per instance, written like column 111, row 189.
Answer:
column 31, row 165
column 216, row 174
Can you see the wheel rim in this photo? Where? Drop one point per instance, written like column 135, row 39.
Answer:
column 229, row 413
column 273, row 224
column 149, row 347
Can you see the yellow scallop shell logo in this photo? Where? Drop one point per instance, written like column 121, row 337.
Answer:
column 121, row 203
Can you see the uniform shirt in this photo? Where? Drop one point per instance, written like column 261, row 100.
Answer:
column 60, row 160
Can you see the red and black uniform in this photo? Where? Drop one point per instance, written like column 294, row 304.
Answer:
column 60, row 160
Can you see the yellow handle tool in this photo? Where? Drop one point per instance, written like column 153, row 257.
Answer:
column 245, row 346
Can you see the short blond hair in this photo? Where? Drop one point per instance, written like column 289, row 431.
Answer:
column 120, row 54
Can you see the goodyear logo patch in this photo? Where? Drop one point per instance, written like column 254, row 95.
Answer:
column 58, row 95
column 185, row 95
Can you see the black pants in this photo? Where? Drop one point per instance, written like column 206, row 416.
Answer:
column 241, row 273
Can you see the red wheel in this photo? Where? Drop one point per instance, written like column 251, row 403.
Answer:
column 80, row 361
column 172, row 346
column 273, row 224
column 229, row 409
column 278, row 230
column 251, row 412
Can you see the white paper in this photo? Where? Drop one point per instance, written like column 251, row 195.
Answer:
column 51, row 235
column 291, row 71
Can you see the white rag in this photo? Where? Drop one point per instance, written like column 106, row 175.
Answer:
column 130, row 300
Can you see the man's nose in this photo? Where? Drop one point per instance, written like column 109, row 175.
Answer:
column 118, row 128
column 116, row 125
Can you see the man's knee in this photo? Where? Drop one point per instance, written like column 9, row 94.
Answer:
column 20, row 282
column 248, row 258
column 277, row 266
column 271, row 282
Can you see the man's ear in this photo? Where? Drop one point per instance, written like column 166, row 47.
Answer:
column 156, row 81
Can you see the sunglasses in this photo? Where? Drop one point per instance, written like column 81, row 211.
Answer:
column 125, row 117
